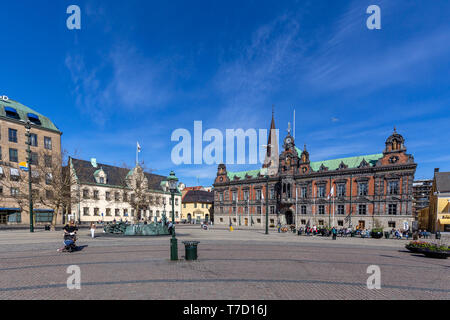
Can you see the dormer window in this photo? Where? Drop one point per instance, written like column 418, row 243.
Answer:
column 34, row 118
column 100, row 176
column 11, row 113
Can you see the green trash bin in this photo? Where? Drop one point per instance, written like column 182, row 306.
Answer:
column 386, row 234
column 190, row 249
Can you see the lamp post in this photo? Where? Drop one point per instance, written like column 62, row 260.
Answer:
column 266, row 171
column 172, row 180
column 267, row 202
column 30, row 195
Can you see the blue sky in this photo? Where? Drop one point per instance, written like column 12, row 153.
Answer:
column 138, row 70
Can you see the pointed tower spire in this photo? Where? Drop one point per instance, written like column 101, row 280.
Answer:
column 272, row 145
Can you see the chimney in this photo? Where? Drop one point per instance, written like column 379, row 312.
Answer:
column 436, row 170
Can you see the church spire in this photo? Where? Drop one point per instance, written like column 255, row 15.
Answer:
column 271, row 159
column 272, row 127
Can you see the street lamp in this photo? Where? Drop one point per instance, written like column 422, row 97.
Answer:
column 266, row 171
column 30, row 196
column 172, row 180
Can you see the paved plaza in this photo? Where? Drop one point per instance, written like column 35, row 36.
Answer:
column 243, row 264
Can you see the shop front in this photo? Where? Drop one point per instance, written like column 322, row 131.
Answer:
column 10, row 215
column 444, row 222
column 43, row 216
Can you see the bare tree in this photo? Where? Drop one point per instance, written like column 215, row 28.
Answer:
column 53, row 177
column 137, row 185
column 14, row 187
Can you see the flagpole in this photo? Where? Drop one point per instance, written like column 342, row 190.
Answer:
column 262, row 198
column 236, row 210
column 296, row 199
column 333, row 211
column 294, row 125
column 248, row 211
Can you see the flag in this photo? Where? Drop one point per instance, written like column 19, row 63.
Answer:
column 331, row 194
column 138, row 147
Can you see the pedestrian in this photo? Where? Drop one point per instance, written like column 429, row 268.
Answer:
column 170, row 227
column 333, row 232
column 93, row 230
column 279, row 226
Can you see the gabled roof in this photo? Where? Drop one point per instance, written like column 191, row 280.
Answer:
column 198, row 196
column 350, row 162
column 442, row 181
column 241, row 174
column 116, row 175
column 23, row 112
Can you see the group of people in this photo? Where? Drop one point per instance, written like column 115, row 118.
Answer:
column 424, row 234
column 399, row 233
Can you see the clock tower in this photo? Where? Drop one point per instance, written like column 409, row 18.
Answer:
column 289, row 160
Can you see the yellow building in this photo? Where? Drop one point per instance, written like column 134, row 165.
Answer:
column 439, row 209
column 197, row 206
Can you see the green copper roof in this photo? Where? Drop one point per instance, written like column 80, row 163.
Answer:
column 22, row 111
column 242, row 174
column 351, row 162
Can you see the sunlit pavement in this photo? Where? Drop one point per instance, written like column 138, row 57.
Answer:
column 242, row 264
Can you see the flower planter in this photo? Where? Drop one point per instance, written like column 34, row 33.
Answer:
column 376, row 235
column 414, row 249
column 435, row 254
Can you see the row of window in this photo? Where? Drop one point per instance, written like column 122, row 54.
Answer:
column 14, row 192
column 340, row 210
column 12, row 137
column 108, row 197
column 393, row 189
column 204, row 205
column 122, row 213
column 14, row 157
column 14, row 175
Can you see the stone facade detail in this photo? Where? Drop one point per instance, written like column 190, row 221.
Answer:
column 372, row 190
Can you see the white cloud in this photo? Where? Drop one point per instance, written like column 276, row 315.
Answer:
column 135, row 82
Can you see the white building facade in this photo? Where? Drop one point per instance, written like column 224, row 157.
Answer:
column 107, row 193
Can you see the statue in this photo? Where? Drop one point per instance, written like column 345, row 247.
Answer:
column 140, row 229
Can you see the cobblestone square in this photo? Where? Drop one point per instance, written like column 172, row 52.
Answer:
column 243, row 264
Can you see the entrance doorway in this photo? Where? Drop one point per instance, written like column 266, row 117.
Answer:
column 206, row 218
column 246, row 221
column 189, row 218
column 3, row 218
column 361, row 224
column 289, row 217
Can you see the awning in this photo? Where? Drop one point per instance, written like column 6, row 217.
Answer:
column 44, row 210
column 444, row 221
column 10, row 209
column 9, row 109
column 32, row 116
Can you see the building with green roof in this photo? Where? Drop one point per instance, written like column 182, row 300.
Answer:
column 362, row 191
column 45, row 147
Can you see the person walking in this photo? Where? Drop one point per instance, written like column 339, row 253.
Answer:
column 334, row 232
column 93, row 227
